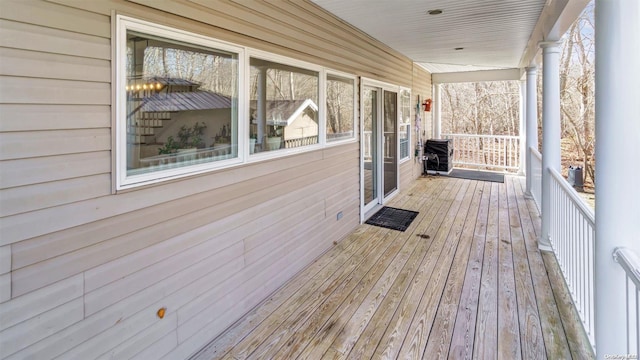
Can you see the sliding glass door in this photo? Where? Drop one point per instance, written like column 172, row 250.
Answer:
column 390, row 142
column 379, row 164
column 369, row 165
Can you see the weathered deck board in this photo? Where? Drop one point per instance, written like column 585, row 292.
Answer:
column 528, row 317
column 508, row 329
column 466, row 280
column 463, row 334
column 486, row 339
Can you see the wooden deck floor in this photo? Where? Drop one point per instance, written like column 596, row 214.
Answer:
column 466, row 280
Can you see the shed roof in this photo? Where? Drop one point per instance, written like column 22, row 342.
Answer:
column 184, row 101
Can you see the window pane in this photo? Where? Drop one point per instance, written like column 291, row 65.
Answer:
column 405, row 123
column 340, row 119
column 283, row 107
column 181, row 104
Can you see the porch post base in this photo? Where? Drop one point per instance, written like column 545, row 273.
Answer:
column 528, row 195
column 544, row 243
column 543, row 247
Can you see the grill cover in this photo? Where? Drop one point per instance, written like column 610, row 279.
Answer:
column 444, row 150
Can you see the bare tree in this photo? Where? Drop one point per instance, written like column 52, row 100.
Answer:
column 577, row 91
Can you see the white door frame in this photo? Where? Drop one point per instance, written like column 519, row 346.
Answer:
column 366, row 211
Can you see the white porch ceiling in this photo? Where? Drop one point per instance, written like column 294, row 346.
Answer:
column 494, row 34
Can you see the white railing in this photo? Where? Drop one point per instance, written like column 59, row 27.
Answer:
column 491, row 152
column 630, row 262
column 572, row 235
column 536, row 176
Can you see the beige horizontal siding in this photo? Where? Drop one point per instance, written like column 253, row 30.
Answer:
column 85, row 257
column 158, row 340
column 18, row 228
column 20, row 145
column 27, row 63
column 36, row 117
column 53, row 16
column 5, row 260
column 32, row 197
column 406, row 172
column 40, row 301
column 421, row 86
column 5, row 287
column 21, row 90
column 212, row 254
column 160, row 348
column 53, row 168
column 50, row 40
column 37, row 328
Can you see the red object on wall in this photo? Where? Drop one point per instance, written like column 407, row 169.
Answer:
column 427, row 105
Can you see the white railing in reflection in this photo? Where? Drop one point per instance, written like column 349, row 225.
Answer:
column 572, row 235
column 491, row 152
column 366, row 144
column 189, row 156
column 303, row 141
column 389, row 144
column 536, row 176
column 630, row 262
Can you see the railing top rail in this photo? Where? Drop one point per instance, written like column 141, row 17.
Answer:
column 536, row 153
column 483, row 136
column 582, row 206
column 630, row 262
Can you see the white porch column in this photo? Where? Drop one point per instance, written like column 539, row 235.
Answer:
column 617, row 170
column 532, row 120
column 550, row 131
column 437, row 118
column 522, row 129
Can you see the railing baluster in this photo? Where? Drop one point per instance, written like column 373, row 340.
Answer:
column 630, row 263
column 637, row 321
column 572, row 235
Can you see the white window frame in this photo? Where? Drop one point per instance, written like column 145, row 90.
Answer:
column 124, row 182
column 123, row 24
column 264, row 55
column 356, row 95
column 401, row 124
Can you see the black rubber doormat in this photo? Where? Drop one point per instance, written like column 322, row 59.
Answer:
column 477, row 175
column 392, row 218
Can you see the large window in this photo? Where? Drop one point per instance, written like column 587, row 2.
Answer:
column 180, row 111
column 187, row 104
column 283, row 106
column 340, row 108
column 404, row 133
